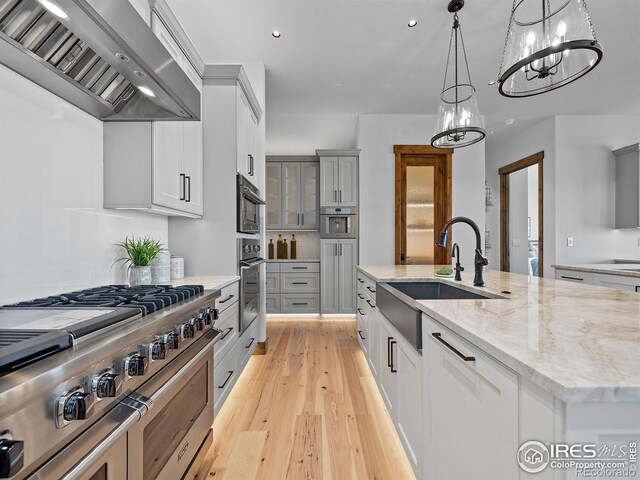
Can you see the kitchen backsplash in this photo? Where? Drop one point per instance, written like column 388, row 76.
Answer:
column 308, row 243
column 54, row 234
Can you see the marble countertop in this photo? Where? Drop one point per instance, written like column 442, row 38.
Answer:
column 209, row 282
column 621, row 269
column 579, row 342
column 280, row 260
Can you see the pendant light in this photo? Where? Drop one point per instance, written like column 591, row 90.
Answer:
column 549, row 44
column 458, row 123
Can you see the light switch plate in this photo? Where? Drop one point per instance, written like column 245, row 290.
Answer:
column 569, row 241
column 515, row 242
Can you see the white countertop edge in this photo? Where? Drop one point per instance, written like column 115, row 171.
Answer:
column 209, row 282
column 605, row 269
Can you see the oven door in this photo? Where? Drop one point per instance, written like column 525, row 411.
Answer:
column 171, row 436
column 98, row 454
column 249, row 215
column 250, row 292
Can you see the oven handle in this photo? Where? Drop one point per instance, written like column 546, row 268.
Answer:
column 92, row 457
column 246, row 265
column 253, row 198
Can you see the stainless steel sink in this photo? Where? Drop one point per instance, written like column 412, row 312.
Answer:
column 395, row 300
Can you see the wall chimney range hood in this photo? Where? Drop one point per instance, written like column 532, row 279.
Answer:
column 99, row 55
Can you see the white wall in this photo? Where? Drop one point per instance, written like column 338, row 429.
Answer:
column 293, row 134
column 541, row 137
column 54, row 234
column 586, row 188
column 377, row 134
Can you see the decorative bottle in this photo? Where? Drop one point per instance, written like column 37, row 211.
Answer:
column 285, row 249
column 279, row 247
column 294, row 246
column 271, row 246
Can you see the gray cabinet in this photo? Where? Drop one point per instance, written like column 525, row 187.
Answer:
column 292, row 195
column 338, row 178
column 628, row 187
column 337, row 275
column 293, row 287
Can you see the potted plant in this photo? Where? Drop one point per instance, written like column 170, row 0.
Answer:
column 140, row 251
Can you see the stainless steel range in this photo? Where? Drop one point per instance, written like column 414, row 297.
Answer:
column 107, row 383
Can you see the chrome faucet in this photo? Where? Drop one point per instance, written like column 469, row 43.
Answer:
column 459, row 268
column 479, row 261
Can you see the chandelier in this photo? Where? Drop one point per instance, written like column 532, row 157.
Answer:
column 549, row 44
column 458, row 123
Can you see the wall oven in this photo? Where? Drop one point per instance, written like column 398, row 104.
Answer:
column 251, row 281
column 155, row 432
column 249, row 202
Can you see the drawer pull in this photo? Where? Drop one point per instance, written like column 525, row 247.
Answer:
column 393, row 367
column 299, row 283
column 227, row 380
column 572, row 278
column 300, row 304
column 360, row 296
column 361, row 280
column 360, row 334
column 370, row 289
column 250, row 343
column 361, row 312
column 227, row 299
column 229, row 330
column 299, row 268
column 638, row 289
column 438, row 336
column 371, row 304
column 389, row 351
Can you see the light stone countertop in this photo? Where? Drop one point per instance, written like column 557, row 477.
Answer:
column 209, row 282
column 579, row 342
column 297, row 260
column 621, row 269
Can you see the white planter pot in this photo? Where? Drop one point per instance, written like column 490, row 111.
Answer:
column 140, row 275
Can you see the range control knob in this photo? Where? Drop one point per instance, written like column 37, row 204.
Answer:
column 256, row 248
column 247, row 249
column 198, row 321
column 160, row 348
column 135, row 365
column 76, row 404
column 175, row 339
column 11, row 455
column 106, row 385
column 188, row 330
column 208, row 316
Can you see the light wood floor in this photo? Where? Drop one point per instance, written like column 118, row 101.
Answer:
column 308, row 409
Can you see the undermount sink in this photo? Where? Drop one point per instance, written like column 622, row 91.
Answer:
column 395, row 301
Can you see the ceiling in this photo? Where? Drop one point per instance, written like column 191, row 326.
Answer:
column 359, row 56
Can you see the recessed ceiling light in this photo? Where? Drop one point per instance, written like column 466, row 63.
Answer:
column 147, row 91
column 412, row 23
column 122, row 56
column 54, row 8
column 276, row 34
column 492, row 82
column 140, row 73
column 509, row 121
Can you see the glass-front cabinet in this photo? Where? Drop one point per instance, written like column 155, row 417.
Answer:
column 292, row 195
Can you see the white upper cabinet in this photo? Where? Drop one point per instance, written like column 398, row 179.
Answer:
column 248, row 136
column 338, row 178
column 628, row 187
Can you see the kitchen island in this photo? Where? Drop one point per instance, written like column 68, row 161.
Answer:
column 542, row 360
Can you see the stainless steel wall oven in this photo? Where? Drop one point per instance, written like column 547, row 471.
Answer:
column 251, row 280
column 249, row 202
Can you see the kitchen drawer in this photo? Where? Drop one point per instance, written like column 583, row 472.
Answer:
column 300, row 303
column 300, row 267
column 369, row 298
column 574, row 276
column 273, row 303
column 247, row 344
column 618, row 282
column 228, row 296
column 299, row 283
column 363, row 336
column 225, row 375
column 227, row 322
column 367, row 284
column 362, row 310
column 273, row 267
column 273, row 283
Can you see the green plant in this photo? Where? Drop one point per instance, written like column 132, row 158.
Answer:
column 140, row 251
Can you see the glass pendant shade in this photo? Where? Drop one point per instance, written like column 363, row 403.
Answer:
column 549, row 44
column 458, row 123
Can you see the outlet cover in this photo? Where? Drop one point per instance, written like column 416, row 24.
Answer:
column 515, row 242
column 569, row 241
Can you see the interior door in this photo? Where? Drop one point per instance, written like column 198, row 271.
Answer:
column 423, row 204
column 348, row 181
column 329, row 182
column 291, row 195
column 347, row 260
column 309, row 198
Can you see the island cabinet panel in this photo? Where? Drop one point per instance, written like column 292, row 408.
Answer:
column 617, row 282
column 387, row 378
column 472, row 409
column 574, row 276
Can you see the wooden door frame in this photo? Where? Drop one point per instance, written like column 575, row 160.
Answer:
column 535, row 159
column 444, row 157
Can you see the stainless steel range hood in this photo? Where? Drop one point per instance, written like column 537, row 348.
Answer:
column 98, row 55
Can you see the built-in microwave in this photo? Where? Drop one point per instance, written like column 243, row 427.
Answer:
column 338, row 222
column 249, row 202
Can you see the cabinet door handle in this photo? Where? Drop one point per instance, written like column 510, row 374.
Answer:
column 299, row 220
column 360, row 280
column 227, row 380
column 361, row 312
column 360, row 334
column 371, row 304
column 299, row 283
column 250, row 157
column 370, row 289
column 226, row 299
column 638, row 289
column 572, row 278
column 188, row 177
column 250, row 343
column 302, row 223
column 229, row 330
column 299, row 268
column 303, row 304
column 393, row 367
column 335, row 196
column 360, row 296
column 438, row 336
column 183, row 179
column 340, row 198
column 389, row 351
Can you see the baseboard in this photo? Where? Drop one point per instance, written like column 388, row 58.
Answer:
column 261, row 349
